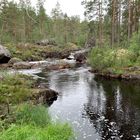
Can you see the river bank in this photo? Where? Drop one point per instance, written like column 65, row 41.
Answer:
column 23, row 109
column 18, row 85
column 125, row 75
column 118, row 63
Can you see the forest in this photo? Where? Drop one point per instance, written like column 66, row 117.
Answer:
column 67, row 78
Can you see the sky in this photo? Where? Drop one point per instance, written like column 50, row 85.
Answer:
column 71, row 7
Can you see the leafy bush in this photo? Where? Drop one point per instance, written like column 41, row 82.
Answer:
column 135, row 44
column 103, row 58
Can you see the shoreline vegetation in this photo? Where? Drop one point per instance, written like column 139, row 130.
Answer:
column 22, row 114
column 34, row 122
column 118, row 62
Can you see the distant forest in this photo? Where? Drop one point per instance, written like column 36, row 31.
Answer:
column 110, row 22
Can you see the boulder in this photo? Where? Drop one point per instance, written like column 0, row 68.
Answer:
column 22, row 65
column 5, row 55
column 14, row 60
column 46, row 42
column 44, row 96
column 81, row 56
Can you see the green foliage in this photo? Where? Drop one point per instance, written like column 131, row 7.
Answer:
column 135, row 44
column 30, row 126
column 20, row 22
column 30, row 52
column 103, row 58
column 30, row 132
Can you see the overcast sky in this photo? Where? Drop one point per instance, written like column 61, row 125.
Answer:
column 71, row 7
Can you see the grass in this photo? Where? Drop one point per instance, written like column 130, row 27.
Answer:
column 31, row 52
column 30, row 132
column 35, row 115
column 34, row 123
column 15, row 88
column 26, row 121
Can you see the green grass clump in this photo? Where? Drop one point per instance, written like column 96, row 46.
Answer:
column 36, row 115
column 34, row 123
column 15, row 88
column 30, row 132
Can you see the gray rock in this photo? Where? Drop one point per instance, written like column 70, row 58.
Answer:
column 81, row 56
column 44, row 96
column 22, row 65
column 14, row 60
column 5, row 55
column 46, row 42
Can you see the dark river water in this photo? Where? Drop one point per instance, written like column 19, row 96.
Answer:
column 96, row 108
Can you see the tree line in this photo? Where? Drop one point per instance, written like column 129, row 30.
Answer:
column 114, row 21
column 110, row 22
column 21, row 22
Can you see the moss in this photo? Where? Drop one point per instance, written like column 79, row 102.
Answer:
column 30, row 52
column 15, row 88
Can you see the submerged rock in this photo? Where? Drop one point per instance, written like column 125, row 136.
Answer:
column 5, row 55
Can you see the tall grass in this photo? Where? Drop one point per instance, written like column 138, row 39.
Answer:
column 30, row 132
column 35, row 115
column 34, row 123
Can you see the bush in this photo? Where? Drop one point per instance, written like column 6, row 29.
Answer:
column 135, row 44
column 103, row 58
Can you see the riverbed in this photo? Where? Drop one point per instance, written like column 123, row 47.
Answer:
column 96, row 108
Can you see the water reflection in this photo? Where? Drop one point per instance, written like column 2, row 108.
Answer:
column 114, row 109
column 96, row 108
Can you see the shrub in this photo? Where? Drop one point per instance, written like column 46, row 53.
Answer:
column 103, row 58
column 135, row 44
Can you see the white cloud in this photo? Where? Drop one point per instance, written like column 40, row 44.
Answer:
column 71, row 7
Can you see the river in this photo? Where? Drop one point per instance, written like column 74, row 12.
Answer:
column 96, row 108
